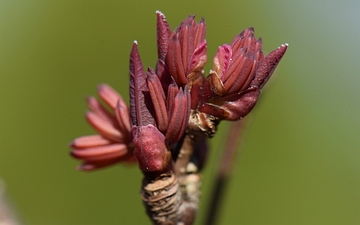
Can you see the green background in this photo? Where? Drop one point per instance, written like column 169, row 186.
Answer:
column 300, row 162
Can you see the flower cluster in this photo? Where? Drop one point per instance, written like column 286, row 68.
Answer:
column 173, row 108
column 113, row 143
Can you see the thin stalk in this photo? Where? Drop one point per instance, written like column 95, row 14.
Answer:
column 234, row 137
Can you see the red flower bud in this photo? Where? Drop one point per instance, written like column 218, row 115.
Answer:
column 150, row 149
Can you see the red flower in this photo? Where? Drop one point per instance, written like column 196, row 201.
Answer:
column 173, row 109
column 175, row 97
column 239, row 72
column 113, row 143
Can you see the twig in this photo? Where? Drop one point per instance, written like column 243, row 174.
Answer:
column 235, row 135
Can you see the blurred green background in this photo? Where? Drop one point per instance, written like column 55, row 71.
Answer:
column 300, row 162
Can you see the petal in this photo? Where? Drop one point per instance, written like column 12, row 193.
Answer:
column 236, row 110
column 174, row 61
column 172, row 92
column 185, row 116
column 198, row 58
column 101, row 153
column 158, row 100
column 268, row 65
column 163, row 35
column 213, row 110
column 222, row 60
column 100, row 110
column 109, row 95
column 140, row 113
column 232, row 107
column 89, row 141
column 186, row 40
column 93, row 165
column 163, row 74
column 259, row 55
column 179, row 116
column 242, row 75
column 239, row 40
column 200, row 32
column 123, row 117
column 234, row 66
column 104, row 128
column 240, row 70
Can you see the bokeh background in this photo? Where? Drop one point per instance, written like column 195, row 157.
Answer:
column 300, row 158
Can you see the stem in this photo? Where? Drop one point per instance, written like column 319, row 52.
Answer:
column 235, row 135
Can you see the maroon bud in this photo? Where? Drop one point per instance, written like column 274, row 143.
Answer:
column 150, row 149
column 187, row 50
column 239, row 72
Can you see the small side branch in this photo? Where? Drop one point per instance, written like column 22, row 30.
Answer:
column 234, row 137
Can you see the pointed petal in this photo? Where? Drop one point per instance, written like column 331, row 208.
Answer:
column 268, row 65
column 138, row 89
column 163, row 35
